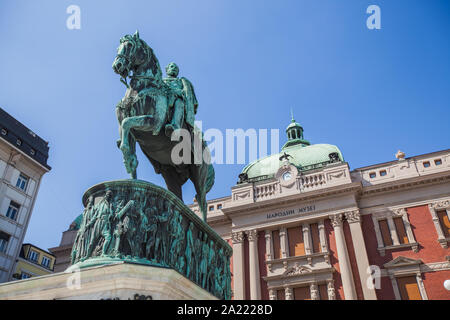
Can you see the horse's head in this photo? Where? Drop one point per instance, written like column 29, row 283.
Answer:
column 132, row 54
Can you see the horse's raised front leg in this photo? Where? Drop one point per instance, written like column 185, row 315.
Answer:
column 128, row 143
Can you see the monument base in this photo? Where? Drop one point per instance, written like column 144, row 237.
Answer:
column 119, row 281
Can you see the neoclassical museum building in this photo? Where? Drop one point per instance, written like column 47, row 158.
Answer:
column 303, row 226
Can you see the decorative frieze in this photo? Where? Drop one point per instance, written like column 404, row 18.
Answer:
column 441, row 205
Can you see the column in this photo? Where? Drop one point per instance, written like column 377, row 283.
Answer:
column 314, row 291
column 393, row 231
column 269, row 245
column 331, row 291
column 238, row 265
column 395, row 287
column 288, row 293
column 423, row 293
column 354, row 220
column 283, row 242
column 255, row 285
column 323, row 239
column 344, row 261
column 272, row 294
column 307, row 238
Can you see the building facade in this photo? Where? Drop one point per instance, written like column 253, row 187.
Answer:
column 33, row 262
column 23, row 162
column 63, row 251
column 305, row 226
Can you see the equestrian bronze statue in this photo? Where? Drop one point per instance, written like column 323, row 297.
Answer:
column 152, row 112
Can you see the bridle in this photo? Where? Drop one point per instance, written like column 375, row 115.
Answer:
column 129, row 61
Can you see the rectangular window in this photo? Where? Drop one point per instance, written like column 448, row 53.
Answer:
column 384, row 228
column 13, row 209
column 401, row 231
column 25, row 275
column 323, row 291
column 409, row 290
column 22, row 182
column 33, row 256
column 444, row 221
column 383, row 173
column 45, row 262
column 426, row 164
column 276, row 244
column 296, row 243
column 219, row 207
column 302, row 293
column 281, row 294
column 4, row 239
column 372, row 175
column 314, row 227
column 438, row 162
column 211, row 208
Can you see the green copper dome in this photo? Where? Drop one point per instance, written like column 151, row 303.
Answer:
column 300, row 153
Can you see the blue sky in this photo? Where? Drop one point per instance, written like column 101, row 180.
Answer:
column 370, row 92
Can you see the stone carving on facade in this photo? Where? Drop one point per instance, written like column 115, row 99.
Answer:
column 237, row 237
column 314, row 290
column 400, row 155
column 297, row 270
column 331, row 291
column 399, row 212
column 272, row 294
column 288, row 293
column 139, row 222
column 353, row 216
column 441, row 205
column 252, row 235
column 336, row 220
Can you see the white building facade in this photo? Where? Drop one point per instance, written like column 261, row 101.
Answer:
column 23, row 162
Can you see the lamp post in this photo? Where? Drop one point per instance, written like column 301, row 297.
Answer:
column 447, row 284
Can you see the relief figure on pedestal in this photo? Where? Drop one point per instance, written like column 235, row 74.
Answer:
column 101, row 222
column 189, row 251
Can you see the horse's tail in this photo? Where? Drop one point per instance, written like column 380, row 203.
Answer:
column 208, row 182
column 210, row 177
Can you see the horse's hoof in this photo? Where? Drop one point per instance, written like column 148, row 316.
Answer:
column 168, row 130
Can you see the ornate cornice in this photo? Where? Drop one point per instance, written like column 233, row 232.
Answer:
column 441, row 205
column 237, row 237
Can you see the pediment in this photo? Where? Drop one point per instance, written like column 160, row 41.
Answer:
column 401, row 262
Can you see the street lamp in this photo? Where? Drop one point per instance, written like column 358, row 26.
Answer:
column 447, row 284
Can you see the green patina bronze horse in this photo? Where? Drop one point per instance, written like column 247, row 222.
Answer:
column 150, row 112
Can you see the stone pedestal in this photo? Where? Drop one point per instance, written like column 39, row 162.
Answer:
column 120, row 281
column 133, row 226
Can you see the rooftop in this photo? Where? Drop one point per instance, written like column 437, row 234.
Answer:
column 21, row 137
